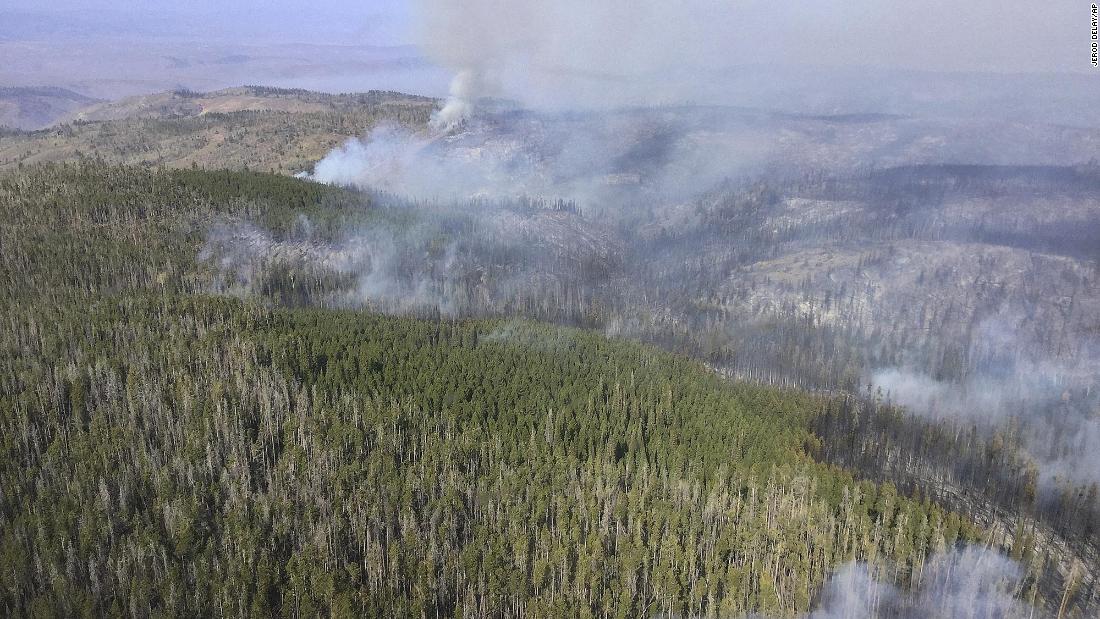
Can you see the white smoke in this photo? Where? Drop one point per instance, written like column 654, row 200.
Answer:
column 375, row 260
column 985, row 398
column 388, row 159
column 1051, row 401
column 465, row 88
column 574, row 54
column 396, row 160
column 599, row 160
column 972, row 582
column 577, row 54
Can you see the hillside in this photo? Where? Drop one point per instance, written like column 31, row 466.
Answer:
column 253, row 127
column 666, row 310
column 289, row 130
column 303, row 461
column 182, row 103
column 30, row 108
column 833, row 259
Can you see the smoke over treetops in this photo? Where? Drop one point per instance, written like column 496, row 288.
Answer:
column 596, row 159
column 559, row 59
column 962, row 582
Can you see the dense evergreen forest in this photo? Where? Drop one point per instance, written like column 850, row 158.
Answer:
column 168, row 451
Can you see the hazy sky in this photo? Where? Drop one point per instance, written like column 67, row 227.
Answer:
column 375, row 22
column 556, row 52
column 986, row 35
column 934, row 35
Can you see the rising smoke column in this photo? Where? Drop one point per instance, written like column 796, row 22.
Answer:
column 465, row 89
column 570, row 54
column 574, row 54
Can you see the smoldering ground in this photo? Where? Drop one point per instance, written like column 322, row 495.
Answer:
column 602, row 180
column 617, row 176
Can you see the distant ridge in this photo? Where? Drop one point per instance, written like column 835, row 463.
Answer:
column 187, row 103
column 257, row 127
column 35, row 107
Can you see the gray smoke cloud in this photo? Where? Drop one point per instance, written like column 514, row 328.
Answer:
column 970, row 582
column 601, row 160
column 621, row 56
column 574, row 53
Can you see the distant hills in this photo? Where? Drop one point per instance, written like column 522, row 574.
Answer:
column 35, row 107
column 185, row 103
column 276, row 129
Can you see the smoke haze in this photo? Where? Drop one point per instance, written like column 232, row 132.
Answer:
column 573, row 54
column 1050, row 397
column 971, row 582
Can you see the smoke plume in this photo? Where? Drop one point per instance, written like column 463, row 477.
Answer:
column 574, row 54
column 600, row 160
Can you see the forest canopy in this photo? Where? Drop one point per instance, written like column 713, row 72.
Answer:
column 168, row 451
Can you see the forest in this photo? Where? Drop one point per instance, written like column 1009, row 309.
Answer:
column 186, row 435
